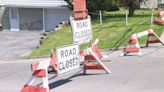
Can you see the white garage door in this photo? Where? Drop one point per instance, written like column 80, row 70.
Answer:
column 54, row 16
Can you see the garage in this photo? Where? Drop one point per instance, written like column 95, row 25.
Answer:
column 31, row 19
column 54, row 16
column 34, row 15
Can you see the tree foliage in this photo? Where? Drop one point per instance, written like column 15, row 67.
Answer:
column 104, row 5
column 109, row 5
column 96, row 5
column 131, row 5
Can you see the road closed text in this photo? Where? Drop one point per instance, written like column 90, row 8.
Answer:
column 68, row 58
column 82, row 31
column 68, row 64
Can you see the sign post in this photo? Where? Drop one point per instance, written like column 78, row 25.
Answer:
column 100, row 20
column 68, row 58
column 126, row 18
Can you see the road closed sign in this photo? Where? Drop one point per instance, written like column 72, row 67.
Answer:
column 68, row 58
column 82, row 30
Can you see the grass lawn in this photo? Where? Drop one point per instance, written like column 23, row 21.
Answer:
column 113, row 35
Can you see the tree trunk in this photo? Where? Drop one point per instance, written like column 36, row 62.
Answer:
column 131, row 8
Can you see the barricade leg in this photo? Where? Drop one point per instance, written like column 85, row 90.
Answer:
column 39, row 71
column 28, row 87
column 107, row 70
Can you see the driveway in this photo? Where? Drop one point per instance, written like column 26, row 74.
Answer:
column 129, row 74
column 15, row 44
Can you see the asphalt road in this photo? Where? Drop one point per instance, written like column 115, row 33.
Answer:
column 16, row 44
column 129, row 74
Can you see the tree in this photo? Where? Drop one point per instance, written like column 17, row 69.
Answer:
column 96, row 5
column 109, row 5
column 130, row 4
column 104, row 5
column 70, row 3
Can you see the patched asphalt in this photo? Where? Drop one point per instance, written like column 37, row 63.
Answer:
column 130, row 73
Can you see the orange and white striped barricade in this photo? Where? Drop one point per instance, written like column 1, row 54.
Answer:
column 161, row 16
column 79, row 9
column 39, row 72
column 93, row 54
column 153, row 38
column 133, row 44
column 52, row 66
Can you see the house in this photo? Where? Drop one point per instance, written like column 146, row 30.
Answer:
column 33, row 15
column 149, row 4
column 161, row 4
column 160, row 1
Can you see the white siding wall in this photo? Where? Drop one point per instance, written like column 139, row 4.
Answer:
column 148, row 4
column 160, row 1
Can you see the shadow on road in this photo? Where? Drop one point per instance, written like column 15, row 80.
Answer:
column 67, row 80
